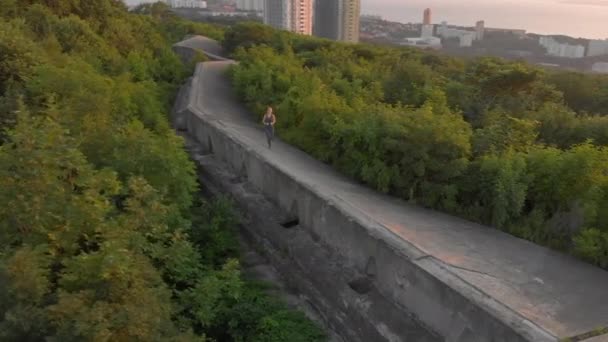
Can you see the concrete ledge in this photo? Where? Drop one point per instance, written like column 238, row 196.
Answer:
column 412, row 279
column 430, row 265
column 342, row 296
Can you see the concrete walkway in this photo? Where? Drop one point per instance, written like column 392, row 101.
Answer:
column 563, row 296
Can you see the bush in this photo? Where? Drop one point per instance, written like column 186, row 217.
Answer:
column 487, row 139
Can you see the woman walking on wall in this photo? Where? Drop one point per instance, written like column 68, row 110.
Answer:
column 269, row 121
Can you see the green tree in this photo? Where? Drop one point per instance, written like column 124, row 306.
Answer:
column 489, row 139
column 502, row 132
column 246, row 35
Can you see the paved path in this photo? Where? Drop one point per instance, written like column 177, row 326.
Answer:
column 564, row 296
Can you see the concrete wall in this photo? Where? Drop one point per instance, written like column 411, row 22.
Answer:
column 418, row 285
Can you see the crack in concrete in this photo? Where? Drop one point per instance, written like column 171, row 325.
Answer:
column 471, row 270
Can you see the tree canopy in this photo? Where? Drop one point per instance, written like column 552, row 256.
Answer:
column 102, row 234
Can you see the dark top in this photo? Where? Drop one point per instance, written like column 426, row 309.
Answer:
column 268, row 120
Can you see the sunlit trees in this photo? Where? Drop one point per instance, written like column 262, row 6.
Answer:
column 79, row 267
column 100, row 237
column 487, row 139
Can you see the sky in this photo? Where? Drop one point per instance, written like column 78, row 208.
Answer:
column 577, row 18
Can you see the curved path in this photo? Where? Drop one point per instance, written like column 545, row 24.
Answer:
column 553, row 293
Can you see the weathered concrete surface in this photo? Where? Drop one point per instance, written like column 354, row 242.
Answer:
column 464, row 281
column 601, row 338
column 322, row 283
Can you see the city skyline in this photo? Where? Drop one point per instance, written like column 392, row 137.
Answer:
column 335, row 19
column 576, row 18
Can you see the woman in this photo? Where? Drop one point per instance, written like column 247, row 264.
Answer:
column 269, row 121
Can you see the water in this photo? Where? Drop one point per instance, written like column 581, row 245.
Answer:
column 577, row 18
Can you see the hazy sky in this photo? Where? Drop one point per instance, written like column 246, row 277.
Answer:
column 579, row 18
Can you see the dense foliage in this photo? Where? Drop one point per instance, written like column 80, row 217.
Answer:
column 101, row 238
column 497, row 142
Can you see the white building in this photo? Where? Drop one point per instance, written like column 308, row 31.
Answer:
column 422, row 42
column 597, row 47
column 187, row 3
column 427, row 30
column 250, row 5
column 600, row 67
column 557, row 49
column 480, row 29
column 465, row 37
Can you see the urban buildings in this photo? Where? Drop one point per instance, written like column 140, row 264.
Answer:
column 557, row 49
column 464, row 37
column 422, row 42
column 597, row 48
column 328, row 19
column 426, row 40
column 250, row 5
column 351, row 12
column 337, row 19
column 301, row 16
column 292, row 15
column 426, row 19
column 427, row 30
column 187, row 3
column 480, row 29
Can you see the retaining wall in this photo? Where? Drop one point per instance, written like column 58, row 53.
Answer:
column 394, row 280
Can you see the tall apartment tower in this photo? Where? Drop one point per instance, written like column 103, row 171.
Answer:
column 328, row 19
column 301, row 16
column 337, row 19
column 427, row 20
column 277, row 13
column 291, row 15
column 351, row 17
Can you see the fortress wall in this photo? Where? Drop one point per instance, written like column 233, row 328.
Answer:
column 405, row 281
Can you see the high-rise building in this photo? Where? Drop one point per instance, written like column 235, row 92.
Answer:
column 480, row 29
column 277, row 13
column 186, row 3
column 337, row 19
column 328, row 19
column 427, row 20
column 292, row 15
column 351, row 14
column 301, row 16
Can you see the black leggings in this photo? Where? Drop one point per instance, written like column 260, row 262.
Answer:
column 269, row 130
